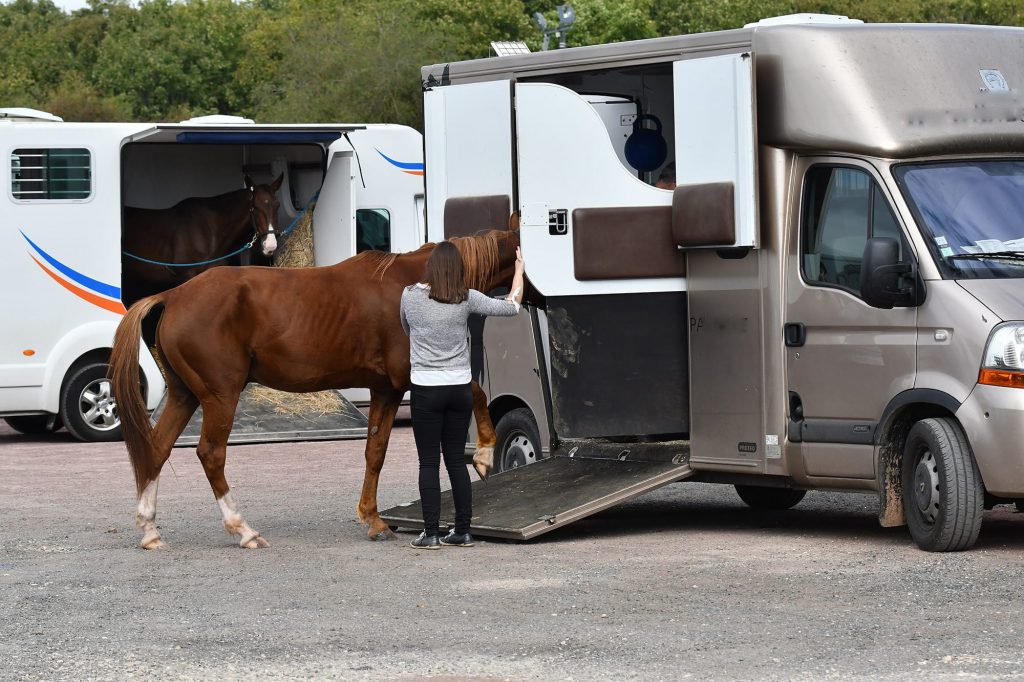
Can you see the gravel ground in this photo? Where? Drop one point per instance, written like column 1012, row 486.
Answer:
column 684, row 583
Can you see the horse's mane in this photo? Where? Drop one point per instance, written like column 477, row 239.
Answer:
column 479, row 257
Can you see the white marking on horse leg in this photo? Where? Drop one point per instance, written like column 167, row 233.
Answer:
column 269, row 243
column 145, row 517
column 483, row 460
column 236, row 525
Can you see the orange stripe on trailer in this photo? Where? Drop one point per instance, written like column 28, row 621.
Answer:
column 105, row 303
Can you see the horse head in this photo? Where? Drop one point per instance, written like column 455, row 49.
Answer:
column 489, row 257
column 263, row 211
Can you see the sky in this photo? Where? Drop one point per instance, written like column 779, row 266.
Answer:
column 71, row 5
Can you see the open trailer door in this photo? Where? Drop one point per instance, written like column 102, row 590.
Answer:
column 166, row 163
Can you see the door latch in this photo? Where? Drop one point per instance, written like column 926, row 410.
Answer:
column 795, row 334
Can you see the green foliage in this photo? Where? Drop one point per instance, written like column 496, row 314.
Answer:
column 336, row 60
column 174, row 59
column 607, row 21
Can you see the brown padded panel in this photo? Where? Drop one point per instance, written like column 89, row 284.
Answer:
column 465, row 216
column 703, row 215
column 625, row 243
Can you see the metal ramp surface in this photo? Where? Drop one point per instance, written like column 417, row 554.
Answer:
column 529, row 501
column 258, row 422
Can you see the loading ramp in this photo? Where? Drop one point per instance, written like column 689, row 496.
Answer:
column 529, row 501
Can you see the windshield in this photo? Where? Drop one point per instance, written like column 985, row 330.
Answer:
column 971, row 213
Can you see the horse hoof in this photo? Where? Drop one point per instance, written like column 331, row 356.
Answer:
column 256, row 543
column 383, row 536
column 481, row 471
column 155, row 543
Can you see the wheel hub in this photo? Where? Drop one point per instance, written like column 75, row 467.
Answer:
column 98, row 406
column 520, row 452
column 926, row 486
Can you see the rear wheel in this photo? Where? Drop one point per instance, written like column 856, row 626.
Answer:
column 943, row 496
column 87, row 406
column 518, row 440
column 760, row 497
column 34, row 424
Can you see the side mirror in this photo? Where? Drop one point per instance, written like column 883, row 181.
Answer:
column 885, row 281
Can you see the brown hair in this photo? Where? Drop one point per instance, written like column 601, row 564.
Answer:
column 445, row 275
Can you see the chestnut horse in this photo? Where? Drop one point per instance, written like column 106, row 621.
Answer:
column 166, row 247
column 291, row 329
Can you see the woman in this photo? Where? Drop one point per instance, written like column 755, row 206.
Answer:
column 434, row 314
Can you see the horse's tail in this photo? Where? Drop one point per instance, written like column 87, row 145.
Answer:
column 126, row 387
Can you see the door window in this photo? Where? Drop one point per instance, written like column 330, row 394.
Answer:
column 373, row 230
column 843, row 207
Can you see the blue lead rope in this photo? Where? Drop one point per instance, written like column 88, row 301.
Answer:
column 252, row 241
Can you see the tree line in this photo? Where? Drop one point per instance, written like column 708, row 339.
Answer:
column 336, row 60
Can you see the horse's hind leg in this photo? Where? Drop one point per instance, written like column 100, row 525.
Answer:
column 383, row 406
column 218, row 417
column 483, row 458
column 179, row 408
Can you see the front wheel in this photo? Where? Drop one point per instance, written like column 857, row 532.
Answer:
column 34, row 424
column 761, row 497
column 943, row 496
column 518, row 440
column 87, row 406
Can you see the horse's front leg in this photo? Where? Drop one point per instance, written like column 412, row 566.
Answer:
column 483, row 458
column 218, row 416
column 383, row 406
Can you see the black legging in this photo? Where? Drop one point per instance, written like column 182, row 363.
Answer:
column 440, row 421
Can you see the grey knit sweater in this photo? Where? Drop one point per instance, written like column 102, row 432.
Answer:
column 438, row 345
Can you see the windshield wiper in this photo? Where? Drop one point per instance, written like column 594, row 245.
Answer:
column 1009, row 256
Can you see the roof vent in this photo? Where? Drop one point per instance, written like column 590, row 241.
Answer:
column 23, row 114
column 219, row 120
column 804, row 18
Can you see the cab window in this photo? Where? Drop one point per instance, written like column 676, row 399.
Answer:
column 843, row 207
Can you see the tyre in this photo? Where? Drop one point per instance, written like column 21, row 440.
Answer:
column 518, row 440
column 87, row 407
column 761, row 497
column 943, row 496
column 34, row 424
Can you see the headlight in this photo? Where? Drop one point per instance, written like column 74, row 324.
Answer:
column 1004, row 357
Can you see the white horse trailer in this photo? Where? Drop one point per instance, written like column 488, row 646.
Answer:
column 66, row 186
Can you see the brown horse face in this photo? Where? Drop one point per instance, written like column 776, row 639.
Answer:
column 265, row 206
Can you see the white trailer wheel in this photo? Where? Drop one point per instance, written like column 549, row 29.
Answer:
column 87, row 406
column 943, row 496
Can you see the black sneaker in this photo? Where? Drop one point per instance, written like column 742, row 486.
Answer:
column 454, row 539
column 425, row 541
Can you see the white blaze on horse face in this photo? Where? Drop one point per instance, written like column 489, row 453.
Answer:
column 269, row 242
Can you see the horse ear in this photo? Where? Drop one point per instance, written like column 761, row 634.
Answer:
column 277, row 183
column 513, row 221
column 249, row 184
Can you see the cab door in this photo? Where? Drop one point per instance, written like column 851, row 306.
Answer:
column 844, row 359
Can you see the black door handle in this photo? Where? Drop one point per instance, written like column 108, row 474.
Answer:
column 795, row 334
